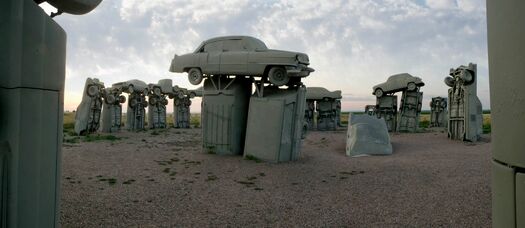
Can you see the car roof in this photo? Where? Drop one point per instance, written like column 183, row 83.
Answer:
column 401, row 75
column 250, row 39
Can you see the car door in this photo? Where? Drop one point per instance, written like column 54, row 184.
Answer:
column 210, row 62
column 233, row 58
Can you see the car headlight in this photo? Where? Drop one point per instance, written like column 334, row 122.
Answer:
column 302, row 58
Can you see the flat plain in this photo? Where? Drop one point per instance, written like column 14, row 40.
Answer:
column 162, row 178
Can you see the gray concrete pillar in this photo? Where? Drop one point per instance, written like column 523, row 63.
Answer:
column 32, row 73
column 506, row 48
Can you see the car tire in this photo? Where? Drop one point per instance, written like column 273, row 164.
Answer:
column 411, row 86
column 379, row 92
column 121, row 99
column 467, row 77
column 133, row 103
column 449, row 81
column 110, row 99
column 152, row 101
column 195, row 76
column 278, row 76
column 92, row 90
column 157, row 91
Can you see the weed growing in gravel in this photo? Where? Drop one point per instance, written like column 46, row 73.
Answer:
column 75, row 139
column 166, row 170
column 252, row 158
column 112, row 181
column 98, row 137
column 173, row 173
column 128, row 181
column 212, row 178
column 352, row 172
column 155, row 133
column 247, row 183
column 258, row 189
column 251, row 178
column 262, row 174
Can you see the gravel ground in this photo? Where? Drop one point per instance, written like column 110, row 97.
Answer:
column 163, row 179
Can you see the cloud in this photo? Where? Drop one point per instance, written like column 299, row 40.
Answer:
column 353, row 45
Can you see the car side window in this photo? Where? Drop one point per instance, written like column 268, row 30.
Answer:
column 213, row 47
column 233, row 45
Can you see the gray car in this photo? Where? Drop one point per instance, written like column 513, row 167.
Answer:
column 396, row 83
column 243, row 56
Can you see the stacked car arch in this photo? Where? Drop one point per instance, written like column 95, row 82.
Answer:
column 97, row 99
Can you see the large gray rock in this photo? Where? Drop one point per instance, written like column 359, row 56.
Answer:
column 367, row 135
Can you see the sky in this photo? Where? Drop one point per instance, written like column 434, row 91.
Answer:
column 352, row 45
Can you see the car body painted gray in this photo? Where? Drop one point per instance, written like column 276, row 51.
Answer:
column 240, row 55
column 397, row 82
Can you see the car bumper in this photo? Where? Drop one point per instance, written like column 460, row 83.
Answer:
column 299, row 71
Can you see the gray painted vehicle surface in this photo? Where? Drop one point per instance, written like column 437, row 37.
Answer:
column 87, row 115
column 242, row 56
column 396, row 83
column 132, row 86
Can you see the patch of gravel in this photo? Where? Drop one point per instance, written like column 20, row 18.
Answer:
column 165, row 180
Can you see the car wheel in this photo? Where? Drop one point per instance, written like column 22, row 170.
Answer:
column 131, row 89
column 132, row 103
column 92, row 90
column 411, row 86
column 449, row 81
column 121, row 99
column 152, row 101
column 467, row 77
column 110, row 99
column 195, row 76
column 157, row 91
column 379, row 93
column 278, row 76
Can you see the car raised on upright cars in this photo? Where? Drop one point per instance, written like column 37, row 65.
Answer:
column 396, row 83
column 242, row 56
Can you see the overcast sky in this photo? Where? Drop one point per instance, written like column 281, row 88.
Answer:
column 353, row 45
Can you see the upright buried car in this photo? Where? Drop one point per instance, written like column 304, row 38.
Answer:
column 396, row 83
column 242, row 56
